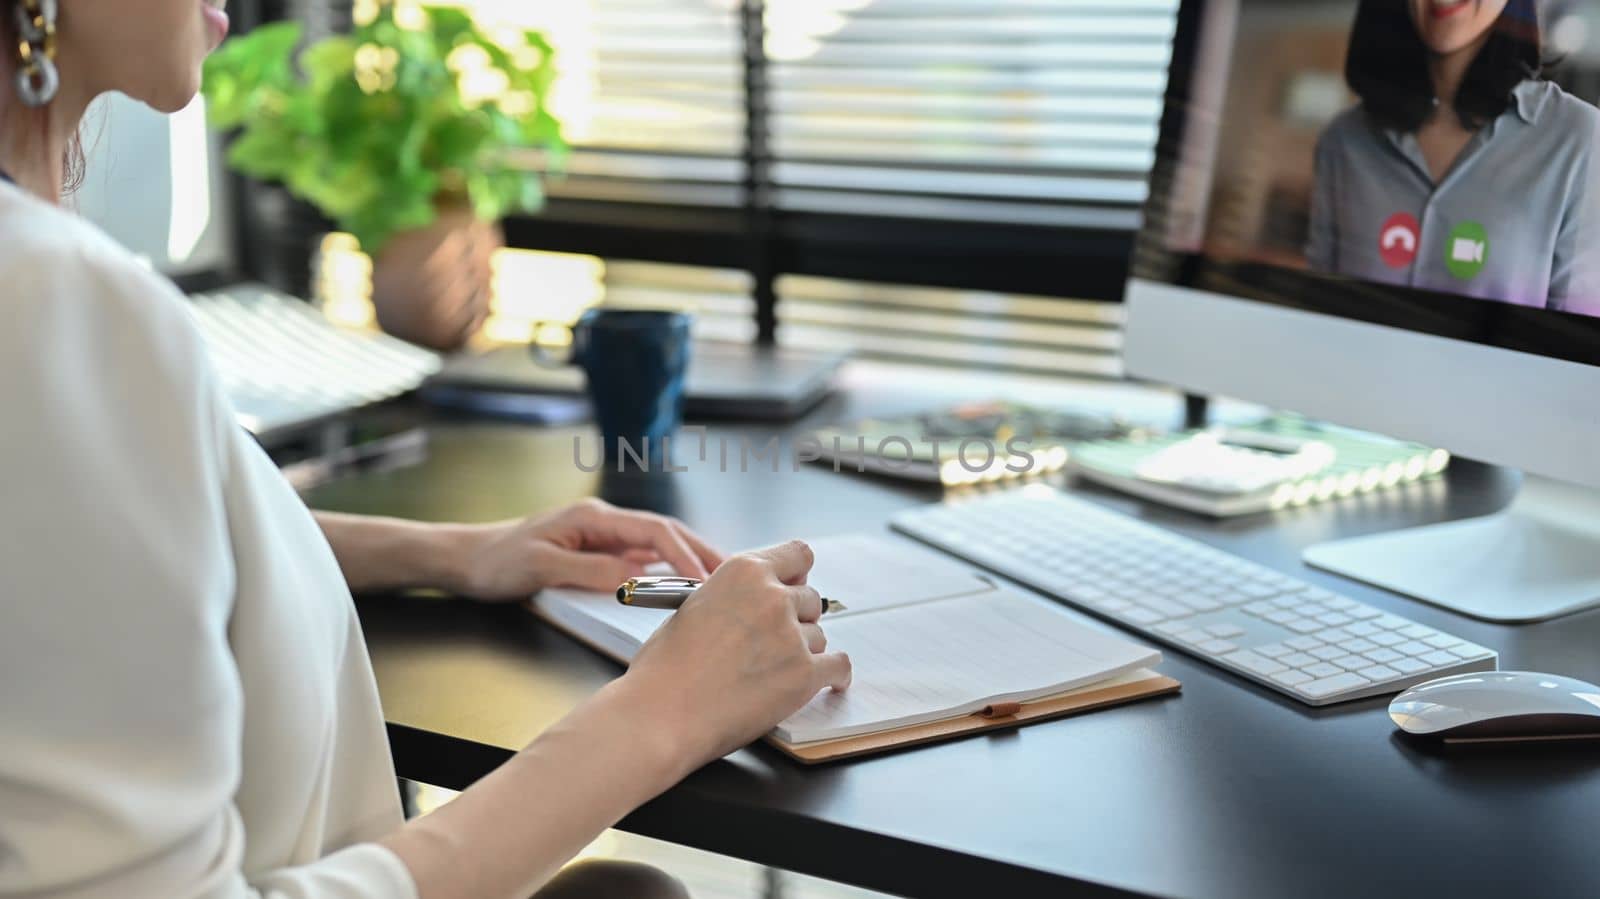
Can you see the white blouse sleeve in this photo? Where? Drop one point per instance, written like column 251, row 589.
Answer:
column 120, row 701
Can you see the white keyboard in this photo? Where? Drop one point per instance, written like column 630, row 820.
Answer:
column 283, row 365
column 1310, row 643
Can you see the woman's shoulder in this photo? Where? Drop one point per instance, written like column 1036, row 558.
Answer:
column 81, row 309
column 1346, row 130
column 1552, row 108
column 60, row 270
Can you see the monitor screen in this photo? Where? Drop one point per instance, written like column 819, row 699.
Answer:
column 156, row 184
column 1426, row 164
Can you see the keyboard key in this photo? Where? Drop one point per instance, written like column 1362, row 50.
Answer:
column 1416, row 631
column 1389, row 622
column 1318, row 594
column 1362, row 612
column 1334, row 619
column 1471, row 651
column 1414, row 648
column 1259, row 608
column 1407, row 665
column 1379, row 673
column 1142, row 615
column 1328, row 653
column 1287, row 602
column 1339, row 603
column 1323, row 669
column 1162, row 607
column 1353, row 662
column 1383, row 656
column 1282, row 616
column 1333, row 635
column 1440, row 658
column 1218, row 647
column 1442, row 641
column 1382, row 638
column 1363, row 629
column 1302, row 643
column 1113, row 604
column 1359, row 645
column 1224, row 630
column 1249, row 661
column 1298, row 660
column 1273, row 650
column 1309, row 610
column 1302, row 625
column 1292, row 678
column 1328, row 686
column 1171, row 628
column 1203, row 603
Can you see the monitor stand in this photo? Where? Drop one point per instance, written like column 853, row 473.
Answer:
column 1539, row 559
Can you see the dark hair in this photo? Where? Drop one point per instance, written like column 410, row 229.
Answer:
column 74, row 164
column 1388, row 65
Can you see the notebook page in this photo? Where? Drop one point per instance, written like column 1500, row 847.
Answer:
column 865, row 572
column 868, row 572
column 953, row 657
column 598, row 618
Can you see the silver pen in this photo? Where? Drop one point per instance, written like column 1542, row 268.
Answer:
column 673, row 592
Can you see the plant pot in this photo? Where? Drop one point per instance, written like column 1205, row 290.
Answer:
column 433, row 286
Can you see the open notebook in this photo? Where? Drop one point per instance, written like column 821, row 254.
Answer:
column 929, row 640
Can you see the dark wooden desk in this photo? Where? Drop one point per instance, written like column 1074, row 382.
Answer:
column 1226, row 792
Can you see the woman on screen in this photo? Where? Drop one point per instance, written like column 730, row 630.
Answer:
column 1461, row 171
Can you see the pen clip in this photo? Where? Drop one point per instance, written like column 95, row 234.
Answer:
column 637, row 582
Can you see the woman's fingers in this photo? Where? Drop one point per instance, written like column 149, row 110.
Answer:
column 807, row 603
column 816, row 640
column 707, row 553
column 625, row 529
column 791, row 561
column 642, row 556
column 831, row 669
column 599, row 572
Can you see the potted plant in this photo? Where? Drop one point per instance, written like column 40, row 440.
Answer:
column 416, row 132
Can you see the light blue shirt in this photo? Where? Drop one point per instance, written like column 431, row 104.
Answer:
column 1516, row 219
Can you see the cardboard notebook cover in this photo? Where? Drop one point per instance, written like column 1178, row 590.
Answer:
column 1141, row 684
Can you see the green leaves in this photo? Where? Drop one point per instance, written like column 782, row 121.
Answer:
column 246, row 71
column 378, row 127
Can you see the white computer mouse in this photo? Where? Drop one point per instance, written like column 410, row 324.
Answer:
column 1500, row 705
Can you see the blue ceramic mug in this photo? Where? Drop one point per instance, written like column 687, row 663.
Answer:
column 637, row 361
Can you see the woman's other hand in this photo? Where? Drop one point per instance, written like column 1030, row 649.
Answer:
column 590, row 545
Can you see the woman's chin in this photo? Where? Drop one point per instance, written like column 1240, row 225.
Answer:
column 174, row 98
column 1448, row 38
column 1446, row 45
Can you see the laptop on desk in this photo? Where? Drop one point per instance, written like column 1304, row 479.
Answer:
column 726, row 380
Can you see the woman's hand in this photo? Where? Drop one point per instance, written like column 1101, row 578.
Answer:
column 742, row 654
column 590, row 545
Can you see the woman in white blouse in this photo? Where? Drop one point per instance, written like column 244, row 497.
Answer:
column 186, row 704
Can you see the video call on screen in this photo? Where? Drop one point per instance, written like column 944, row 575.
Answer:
column 1322, row 137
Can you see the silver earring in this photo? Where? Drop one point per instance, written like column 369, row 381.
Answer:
column 38, row 80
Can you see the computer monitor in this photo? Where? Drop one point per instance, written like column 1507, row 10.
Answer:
column 157, row 185
column 1302, row 249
